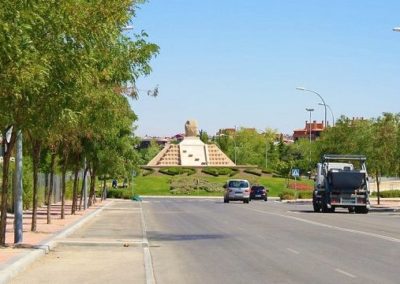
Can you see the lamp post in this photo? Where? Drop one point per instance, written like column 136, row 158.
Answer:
column 333, row 117
column 311, row 91
column 234, row 141
column 310, row 110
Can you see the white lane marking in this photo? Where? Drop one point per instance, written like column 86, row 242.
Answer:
column 293, row 251
column 345, row 273
column 148, row 263
column 382, row 237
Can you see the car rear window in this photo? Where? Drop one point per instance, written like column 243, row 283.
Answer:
column 257, row 187
column 238, row 183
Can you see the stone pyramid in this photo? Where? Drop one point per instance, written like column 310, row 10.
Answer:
column 191, row 152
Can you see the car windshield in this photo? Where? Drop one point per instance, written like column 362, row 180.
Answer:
column 238, row 183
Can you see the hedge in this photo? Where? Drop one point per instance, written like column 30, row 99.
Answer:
column 255, row 172
column 119, row 193
column 220, row 171
column 387, row 194
column 173, row 171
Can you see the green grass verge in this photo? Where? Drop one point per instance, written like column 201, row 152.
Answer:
column 152, row 185
column 160, row 185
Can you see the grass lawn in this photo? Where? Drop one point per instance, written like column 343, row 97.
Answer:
column 152, row 185
column 160, row 184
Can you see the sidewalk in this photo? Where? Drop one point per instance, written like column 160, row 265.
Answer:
column 110, row 248
column 14, row 258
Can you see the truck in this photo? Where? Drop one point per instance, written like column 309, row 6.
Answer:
column 341, row 181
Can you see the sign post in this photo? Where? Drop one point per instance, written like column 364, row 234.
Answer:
column 295, row 174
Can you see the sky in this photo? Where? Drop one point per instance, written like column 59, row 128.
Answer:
column 228, row 63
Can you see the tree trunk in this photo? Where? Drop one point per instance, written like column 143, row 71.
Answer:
column 36, row 148
column 104, row 192
column 378, row 186
column 83, row 187
column 46, row 186
column 63, row 185
column 92, row 194
column 75, row 192
column 50, row 192
column 7, row 150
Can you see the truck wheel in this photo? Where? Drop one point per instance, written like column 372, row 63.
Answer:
column 316, row 207
column 361, row 210
column 325, row 208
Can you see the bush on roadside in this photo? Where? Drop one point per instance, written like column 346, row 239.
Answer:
column 146, row 172
column 305, row 194
column 255, row 172
column 173, row 171
column 287, row 195
column 267, row 171
column 220, row 171
column 118, row 193
column 187, row 185
column 387, row 194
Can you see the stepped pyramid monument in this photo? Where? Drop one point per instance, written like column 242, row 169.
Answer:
column 191, row 152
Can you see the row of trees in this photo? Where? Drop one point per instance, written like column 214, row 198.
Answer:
column 66, row 70
column 377, row 138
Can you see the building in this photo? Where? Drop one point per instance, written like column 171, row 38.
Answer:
column 316, row 129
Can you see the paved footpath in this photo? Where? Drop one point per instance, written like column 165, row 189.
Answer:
column 105, row 244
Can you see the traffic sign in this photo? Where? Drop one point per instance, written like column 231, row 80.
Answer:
column 295, row 172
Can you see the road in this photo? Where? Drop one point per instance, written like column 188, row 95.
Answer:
column 207, row 241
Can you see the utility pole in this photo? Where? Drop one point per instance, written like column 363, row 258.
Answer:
column 85, row 195
column 310, row 130
column 18, row 208
column 234, row 141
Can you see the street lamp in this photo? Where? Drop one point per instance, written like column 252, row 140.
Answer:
column 311, row 91
column 310, row 110
column 396, row 29
column 333, row 117
column 127, row 28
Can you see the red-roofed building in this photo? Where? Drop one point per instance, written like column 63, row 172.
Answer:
column 316, row 129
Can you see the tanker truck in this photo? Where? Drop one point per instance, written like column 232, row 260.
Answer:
column 341, row 181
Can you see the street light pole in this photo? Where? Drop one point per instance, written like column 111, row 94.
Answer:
column 234, row 141
column 310, row 110
column 333, row 117
column 311, row 91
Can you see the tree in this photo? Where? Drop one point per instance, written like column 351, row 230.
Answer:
column 384, row 154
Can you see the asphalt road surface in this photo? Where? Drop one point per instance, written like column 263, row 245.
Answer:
column 207, row 241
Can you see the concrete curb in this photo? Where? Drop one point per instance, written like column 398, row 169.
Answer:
column 19, row 263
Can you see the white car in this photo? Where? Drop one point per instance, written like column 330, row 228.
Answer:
column 237, row 189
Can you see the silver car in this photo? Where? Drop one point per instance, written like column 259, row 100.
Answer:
column 237, row 189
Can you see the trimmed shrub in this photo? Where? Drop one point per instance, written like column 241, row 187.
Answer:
column 220, row 171
column 234, row 172
column 287, row 195
column 255, row 172
column 307, row 194
column 193, row 185
column 173, row 171
column 267, row 171
column 387, row 194
column 118, row 193
column 146, row 172
column 300, row 186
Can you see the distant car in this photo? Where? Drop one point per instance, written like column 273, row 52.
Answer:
column 237, row 189
column 259, row 192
